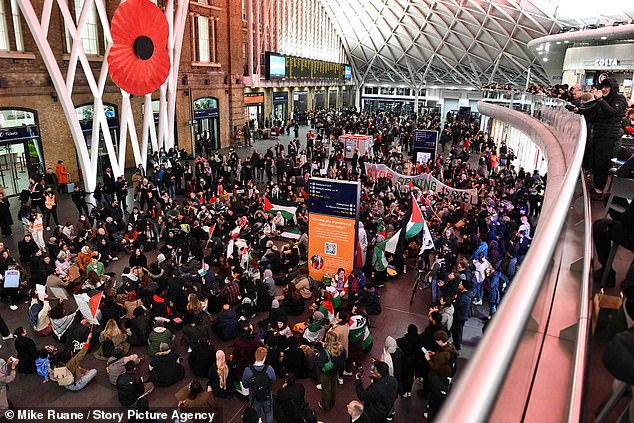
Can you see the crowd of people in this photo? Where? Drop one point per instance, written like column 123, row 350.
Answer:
column 223, row 273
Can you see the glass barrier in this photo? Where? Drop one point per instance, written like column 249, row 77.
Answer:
column 475, row 394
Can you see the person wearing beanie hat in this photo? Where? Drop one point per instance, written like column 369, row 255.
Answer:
column 606, row 112
column 166, row 367
column 160, row 258
column 259, row 379
column 275, row 304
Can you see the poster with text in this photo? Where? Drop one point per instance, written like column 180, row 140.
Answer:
column 333, row 208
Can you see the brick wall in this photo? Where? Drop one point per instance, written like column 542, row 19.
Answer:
column 26, row 83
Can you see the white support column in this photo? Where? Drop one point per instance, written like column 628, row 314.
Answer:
column 88, row 161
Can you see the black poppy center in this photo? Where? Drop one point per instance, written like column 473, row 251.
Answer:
column 143, row 47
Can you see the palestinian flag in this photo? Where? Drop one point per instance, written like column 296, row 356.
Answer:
column 288, row 212
column 413, row 227
column 380, row 262
column 89, row 306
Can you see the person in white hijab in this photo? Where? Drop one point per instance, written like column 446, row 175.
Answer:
column 393, row 357
column 363, row 243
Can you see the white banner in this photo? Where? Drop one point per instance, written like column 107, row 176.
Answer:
column 426, row 182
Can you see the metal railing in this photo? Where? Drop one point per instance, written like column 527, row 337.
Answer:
column 583, row 325
column 561, row 136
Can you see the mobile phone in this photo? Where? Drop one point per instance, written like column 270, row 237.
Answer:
column 424, row 350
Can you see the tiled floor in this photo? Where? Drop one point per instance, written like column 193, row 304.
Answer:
column 28, row 391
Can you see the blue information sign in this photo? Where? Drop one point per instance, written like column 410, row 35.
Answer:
column 425, row 142
column 333, row 198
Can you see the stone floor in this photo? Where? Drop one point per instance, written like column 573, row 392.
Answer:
column 28, row 391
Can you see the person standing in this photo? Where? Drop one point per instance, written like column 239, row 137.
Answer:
column 355, row 411
column 291, row 401
column 62, row 176
column 606, row 115
column 6, row 220
column 36, row 228
column 79, row 198
column 462, row 307
column 7, row 375
column 379, row 397
column 27, row 351
column 37, row 194
column 50, row 202
column 258, row 379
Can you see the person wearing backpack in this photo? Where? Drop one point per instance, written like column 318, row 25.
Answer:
column 259, row 379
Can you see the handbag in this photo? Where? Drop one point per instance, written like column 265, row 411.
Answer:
column 604, row 309
column 63, row 376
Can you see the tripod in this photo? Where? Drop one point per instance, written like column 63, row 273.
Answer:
column 421, row 278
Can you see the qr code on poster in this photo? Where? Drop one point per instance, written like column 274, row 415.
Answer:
column 331, row 249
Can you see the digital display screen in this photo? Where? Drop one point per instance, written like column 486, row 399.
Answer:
column 277, row 66
column 347, row 72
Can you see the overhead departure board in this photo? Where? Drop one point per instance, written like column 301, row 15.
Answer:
column 299, row 68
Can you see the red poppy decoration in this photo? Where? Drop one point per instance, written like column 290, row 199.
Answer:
column 138, row 59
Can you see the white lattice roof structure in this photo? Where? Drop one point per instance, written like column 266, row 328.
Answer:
column 466, row 42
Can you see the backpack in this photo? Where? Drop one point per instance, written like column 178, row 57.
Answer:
column 260, row 384
column 63, row 376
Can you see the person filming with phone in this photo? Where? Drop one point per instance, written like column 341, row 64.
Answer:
column 379, row 397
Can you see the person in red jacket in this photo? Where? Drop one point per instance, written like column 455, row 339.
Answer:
column 62, row 176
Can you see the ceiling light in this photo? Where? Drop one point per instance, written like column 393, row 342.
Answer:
column 604, row 38
column 539, row 52
column 545, row 59
column 566, row 42
column 558, row 42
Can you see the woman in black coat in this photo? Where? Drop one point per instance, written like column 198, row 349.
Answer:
column 202, row 357
column 27, row 351
column 5, row 216
column 294, row 360
column 166, row 368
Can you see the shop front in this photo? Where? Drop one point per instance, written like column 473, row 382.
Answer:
column 254, row 109
column 300, row 102
column 280, row 105
column 20, row 149
column 587, row 66
column 85, row 115
column 207, row 120
column 332, row 99
column 319, row 99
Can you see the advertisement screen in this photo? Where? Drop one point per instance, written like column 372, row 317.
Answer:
column 277, row 66
column 347, row 72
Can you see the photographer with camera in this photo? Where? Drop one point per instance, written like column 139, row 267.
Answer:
column 605, row 113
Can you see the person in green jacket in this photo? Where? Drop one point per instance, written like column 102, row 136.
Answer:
column 158, row 335
column 97, row 266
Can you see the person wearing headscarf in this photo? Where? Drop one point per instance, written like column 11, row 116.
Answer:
column 219, row 378
column 393, row 357
column 7, row 375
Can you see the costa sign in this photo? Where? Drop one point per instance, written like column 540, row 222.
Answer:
column 606, row 62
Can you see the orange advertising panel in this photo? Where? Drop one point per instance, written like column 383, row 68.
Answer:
column 331, row 245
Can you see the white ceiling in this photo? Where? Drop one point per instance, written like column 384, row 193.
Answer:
column 465, row 42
